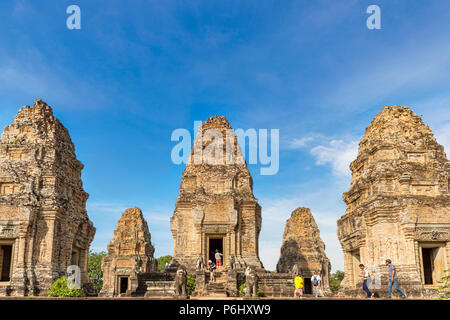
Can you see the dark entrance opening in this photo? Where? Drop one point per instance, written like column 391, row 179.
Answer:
column 5, row 262
column 123, row 284
column 307, row 287
column 215, row 244
column 427, row 261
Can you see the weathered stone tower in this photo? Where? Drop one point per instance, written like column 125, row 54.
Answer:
column 44, row 226
column 130, row 252
column 216, row 208
column 302, row 246
column 398, row 205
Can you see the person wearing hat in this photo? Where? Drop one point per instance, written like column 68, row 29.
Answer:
column 393, row 279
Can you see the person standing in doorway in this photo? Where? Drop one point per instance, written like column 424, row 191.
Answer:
column 218, row 257
column 316, row 281
column 365, row 275
column 393, row 280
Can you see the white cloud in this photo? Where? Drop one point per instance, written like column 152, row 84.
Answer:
column 338, row 153
column 298, row 143
column 443, row 137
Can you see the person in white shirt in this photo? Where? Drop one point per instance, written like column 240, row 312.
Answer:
column 218, row 257
column 316, row 281
column 365, row 275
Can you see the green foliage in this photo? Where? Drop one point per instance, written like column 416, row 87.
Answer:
column 446, row 280
column 190, row 284
column 95, row 272
column 242, row 287
column 59, row 288
column 162, row 262
column 335, row 281
column 260, row 293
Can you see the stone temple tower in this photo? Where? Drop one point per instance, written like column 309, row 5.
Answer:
column 129, row 252
column 303, row 247
column 398, row 206
column 44, row 226
column 216, row 208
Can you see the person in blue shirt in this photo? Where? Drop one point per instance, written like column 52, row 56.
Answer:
column 393, row 279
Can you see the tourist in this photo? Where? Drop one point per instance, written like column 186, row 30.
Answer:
column 166, row 268
column 316, row 281
column 365, row 275
column 218, row 257
column 393, row 279
column 298, row 287
column 211, row 267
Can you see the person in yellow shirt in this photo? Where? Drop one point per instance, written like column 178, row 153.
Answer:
column 298, row 286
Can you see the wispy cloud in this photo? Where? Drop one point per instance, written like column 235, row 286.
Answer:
column 337, row 153
column 298, row 143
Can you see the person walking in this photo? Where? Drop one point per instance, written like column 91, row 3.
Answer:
column 166, row 268
column 316, row 281
column 393, row 280
column 298, row 281
column 365, row 275
column 218, row 257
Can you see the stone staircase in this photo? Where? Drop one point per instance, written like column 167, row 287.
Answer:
column 217, row 288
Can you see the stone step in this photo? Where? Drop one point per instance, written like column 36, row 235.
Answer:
column 215, row 286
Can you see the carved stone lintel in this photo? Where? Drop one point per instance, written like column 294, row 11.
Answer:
column 432, row 234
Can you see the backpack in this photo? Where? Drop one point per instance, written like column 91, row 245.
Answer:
column 315, row 281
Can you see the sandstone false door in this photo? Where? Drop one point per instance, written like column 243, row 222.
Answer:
column 433, row 263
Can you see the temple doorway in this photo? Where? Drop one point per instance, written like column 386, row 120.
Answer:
column 307, row 286
column 123, row 285
column 215, row 244
column 433, row 263
column 5, row 262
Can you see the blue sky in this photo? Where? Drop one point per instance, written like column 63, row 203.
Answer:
column 137, row 70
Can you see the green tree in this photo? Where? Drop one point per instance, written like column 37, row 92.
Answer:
column 162, row 262
column 446, row 286
column 59, row 288
column 95, row 272
column 190, row 284
column 335, row 281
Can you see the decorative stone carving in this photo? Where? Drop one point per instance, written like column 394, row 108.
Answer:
column 200, row 264
column 181, row 283
column 251, row 282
